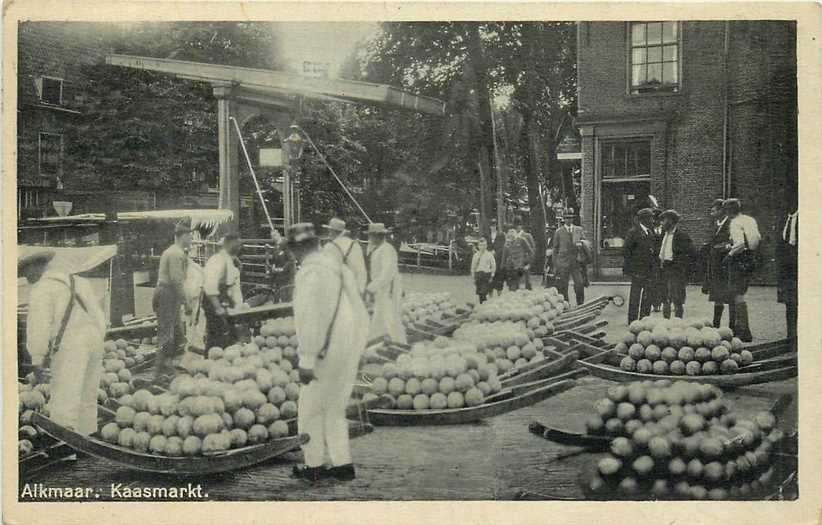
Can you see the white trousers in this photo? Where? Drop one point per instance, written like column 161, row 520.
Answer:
column 386, row 320
column 75, row 377
column 322, row 404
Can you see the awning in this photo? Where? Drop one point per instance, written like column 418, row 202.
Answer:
column 73, row 260
column 198, row 218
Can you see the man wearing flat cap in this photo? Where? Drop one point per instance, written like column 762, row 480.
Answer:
column 65, row 329
column 332, row 328
column 385, row 287
column 169, row 298
column 640, row 263
column 222, row 292
column 347, row 249
column 569, row 257
column 675, row 256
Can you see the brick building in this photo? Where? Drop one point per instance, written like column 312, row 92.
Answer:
column 49, row 97
column 686, row 112
column 51, row 100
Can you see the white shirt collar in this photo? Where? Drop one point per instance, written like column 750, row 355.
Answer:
column 644, row 228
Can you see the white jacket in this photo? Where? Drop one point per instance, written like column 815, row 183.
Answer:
column 386, row 287
column 48, row 301
column 328, row 308
column 355, row 261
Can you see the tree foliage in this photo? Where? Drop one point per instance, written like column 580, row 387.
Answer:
column 143, row 130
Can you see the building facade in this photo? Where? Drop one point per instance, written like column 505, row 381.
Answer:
column 687, row 112
column 50, row 113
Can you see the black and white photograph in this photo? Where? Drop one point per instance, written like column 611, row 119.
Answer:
column 536, row 260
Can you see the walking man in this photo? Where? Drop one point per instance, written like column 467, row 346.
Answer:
column 497, row 246
column 514, row 260
column 483, row 268
column 741, row 263
column 640, row 262
column 385, row 287
column 221, row 290
column 332, row 327
column 787, row 251
column 675, row 255
column 169, row 298
column 531, row 249
column 567, row 243
column 715, row 283
column 348, row 249
column 65, row 329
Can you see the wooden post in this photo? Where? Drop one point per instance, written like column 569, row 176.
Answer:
column 229, row 160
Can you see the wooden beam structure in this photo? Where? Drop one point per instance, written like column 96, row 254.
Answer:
column 243, row 92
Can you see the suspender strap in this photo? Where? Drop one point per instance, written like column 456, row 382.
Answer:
column 324, row 349
column 58, row 339
column 345, row 253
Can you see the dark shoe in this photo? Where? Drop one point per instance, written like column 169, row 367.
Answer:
column 343, row 472
column 743, row 330
column 312, row 474
column 718, row 310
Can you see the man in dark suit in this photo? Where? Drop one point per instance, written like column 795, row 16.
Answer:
column 675, row 255
column 566, row 258
column 787, row 251
column 496, row 243
column 529, row 241
column 640, row 263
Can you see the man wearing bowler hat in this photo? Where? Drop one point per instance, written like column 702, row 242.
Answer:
column 640, row 263
column 675, row 255
column 348, row 249
column 169, row 298
column 385, row 287
column 332, row 328
column 65, row 329
column 569, row 257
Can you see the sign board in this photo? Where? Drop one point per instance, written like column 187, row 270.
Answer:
column 315, row 69
column 271, row 157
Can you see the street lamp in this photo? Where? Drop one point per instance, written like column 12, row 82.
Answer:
column 294, row 143
column 293, row 146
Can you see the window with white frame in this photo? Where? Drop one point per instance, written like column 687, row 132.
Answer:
column 654, row 57
column 51, row 90
column 50, row 153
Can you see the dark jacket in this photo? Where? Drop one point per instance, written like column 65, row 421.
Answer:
column 639, row 252
column 787, row 265
column 716, row 279
column 683, row 254
column 564, row 246
column 497, row 246
column 515, row 255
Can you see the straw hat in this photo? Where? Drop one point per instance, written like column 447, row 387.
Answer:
column 335, row 225
column 38, row 257
column 377, row 228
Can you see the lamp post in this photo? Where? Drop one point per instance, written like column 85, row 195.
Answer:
column 293, row 146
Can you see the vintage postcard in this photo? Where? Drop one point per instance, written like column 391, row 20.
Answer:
column 420, row 262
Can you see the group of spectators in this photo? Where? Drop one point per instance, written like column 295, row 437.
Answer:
column 660, row 257
column 502, row 260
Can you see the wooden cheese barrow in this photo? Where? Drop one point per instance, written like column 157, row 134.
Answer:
column 508, row 400
column 768, row 366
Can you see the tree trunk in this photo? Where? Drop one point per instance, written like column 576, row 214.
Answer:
column 537, row 215
column 482, row 139
column 532, row 141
